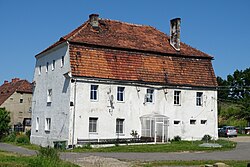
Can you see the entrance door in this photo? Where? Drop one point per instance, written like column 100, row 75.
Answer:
column 159, row 132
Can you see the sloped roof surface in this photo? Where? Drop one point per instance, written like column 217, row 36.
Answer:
column 7, row 89
column 129, row 36
column 135, row 66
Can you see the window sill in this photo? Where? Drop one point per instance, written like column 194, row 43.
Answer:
column 120, row 101
column 177, row 104
column 120, row 134
column 93, row 133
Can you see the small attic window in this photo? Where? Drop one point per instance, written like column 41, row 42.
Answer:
column 62, row 61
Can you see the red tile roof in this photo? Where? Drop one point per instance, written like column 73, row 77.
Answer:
column 123, row 51
column 136, row 66
column 8, row 88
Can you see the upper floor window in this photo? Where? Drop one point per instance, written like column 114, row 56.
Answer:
column 53, row 65
column 62, row 61
column 150, row 95
column 47, row 66
column 192, row 121
column 93, row 92
column 177, row 97
column 49, row 96
column 120, row 93
column 203, row 121
column 120, row 126
column 93, row 125
column 39, row 70
column 199, row 100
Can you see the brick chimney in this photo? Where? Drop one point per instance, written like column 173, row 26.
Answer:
column 94, row 20
column 175, row 29
column 5, row 82
column 15, row 79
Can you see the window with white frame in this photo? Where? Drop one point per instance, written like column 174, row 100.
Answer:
column 203, row 121
column 62, row 61
column 119, row 126
column 39, row 70
column 150, row 96
column 47, row 66
column 37, row 124
column 94, row 92
column 199, row 99
column 47, row 124
column 49, row 96
column 192, row 121
column 177, row 97
column 93, row 125
column 53, row 65
column 120, row 93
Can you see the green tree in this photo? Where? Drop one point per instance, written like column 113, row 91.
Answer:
column 4, row 122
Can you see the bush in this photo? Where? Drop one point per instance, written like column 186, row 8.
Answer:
column 176, row 138
column 22, row 139
column 49, row 153
column 11, row 137
column 206, row 138
column 28, row 133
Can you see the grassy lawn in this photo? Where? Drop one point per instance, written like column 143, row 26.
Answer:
column 191, row 163
column 171, row 147
column 14, row 160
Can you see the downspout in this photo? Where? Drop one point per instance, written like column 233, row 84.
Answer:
column 74, row 111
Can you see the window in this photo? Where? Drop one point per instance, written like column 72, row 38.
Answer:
column 47, row 124
column 40, row 70
column 177, row 122
column 93, row 125
column 119, row 126
column 149, row 95
column 37, row 124
column 47, row 67
column 199, row 98
column 53, row 65
column 93, row 92
column 21, row 100
column 49, row 96
column 120, row 93
column 203, row 122
column 62, row 61
column 177, row 97
column 192, row 121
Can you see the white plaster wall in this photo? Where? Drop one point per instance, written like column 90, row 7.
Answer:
column 59, row 110
column 134, row 107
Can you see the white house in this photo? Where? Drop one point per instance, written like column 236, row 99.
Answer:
column 107, row 78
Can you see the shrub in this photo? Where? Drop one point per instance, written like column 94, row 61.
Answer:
column 11, row 137
column 176, row 138
column 23, row 139
column 206, row 138
column 28, row 133
column 48, row 152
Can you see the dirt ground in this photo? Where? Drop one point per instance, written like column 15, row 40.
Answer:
column 240, row 139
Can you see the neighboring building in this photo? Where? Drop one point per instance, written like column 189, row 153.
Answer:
column 15, row 97
column 107, row 78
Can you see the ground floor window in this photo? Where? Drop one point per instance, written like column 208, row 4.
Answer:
column 120, row 126
column 93, row 125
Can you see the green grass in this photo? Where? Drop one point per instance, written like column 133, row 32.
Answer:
column 191, row 163
column 14, row 160
column 171, row 147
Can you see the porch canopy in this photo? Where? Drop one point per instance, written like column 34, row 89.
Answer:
column 155, row 126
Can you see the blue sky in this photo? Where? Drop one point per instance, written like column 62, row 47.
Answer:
column 220, row 28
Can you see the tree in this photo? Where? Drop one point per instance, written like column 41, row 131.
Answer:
column 4, row 122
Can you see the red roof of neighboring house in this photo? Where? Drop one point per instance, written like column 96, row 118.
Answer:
column 16, row 85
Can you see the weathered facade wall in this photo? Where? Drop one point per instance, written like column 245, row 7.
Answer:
column 18, row 111
column 134, row 107
column 59, row 109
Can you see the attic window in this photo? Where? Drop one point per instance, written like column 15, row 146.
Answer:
column 47, row 66
column 62, row 61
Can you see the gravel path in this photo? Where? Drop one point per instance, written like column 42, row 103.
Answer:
column 241, row 152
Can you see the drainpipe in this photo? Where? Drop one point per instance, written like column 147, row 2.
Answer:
column 74, row 111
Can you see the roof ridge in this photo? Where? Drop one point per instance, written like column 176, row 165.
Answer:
column 133, row 24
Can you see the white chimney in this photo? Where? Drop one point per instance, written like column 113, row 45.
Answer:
column 175, row 29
